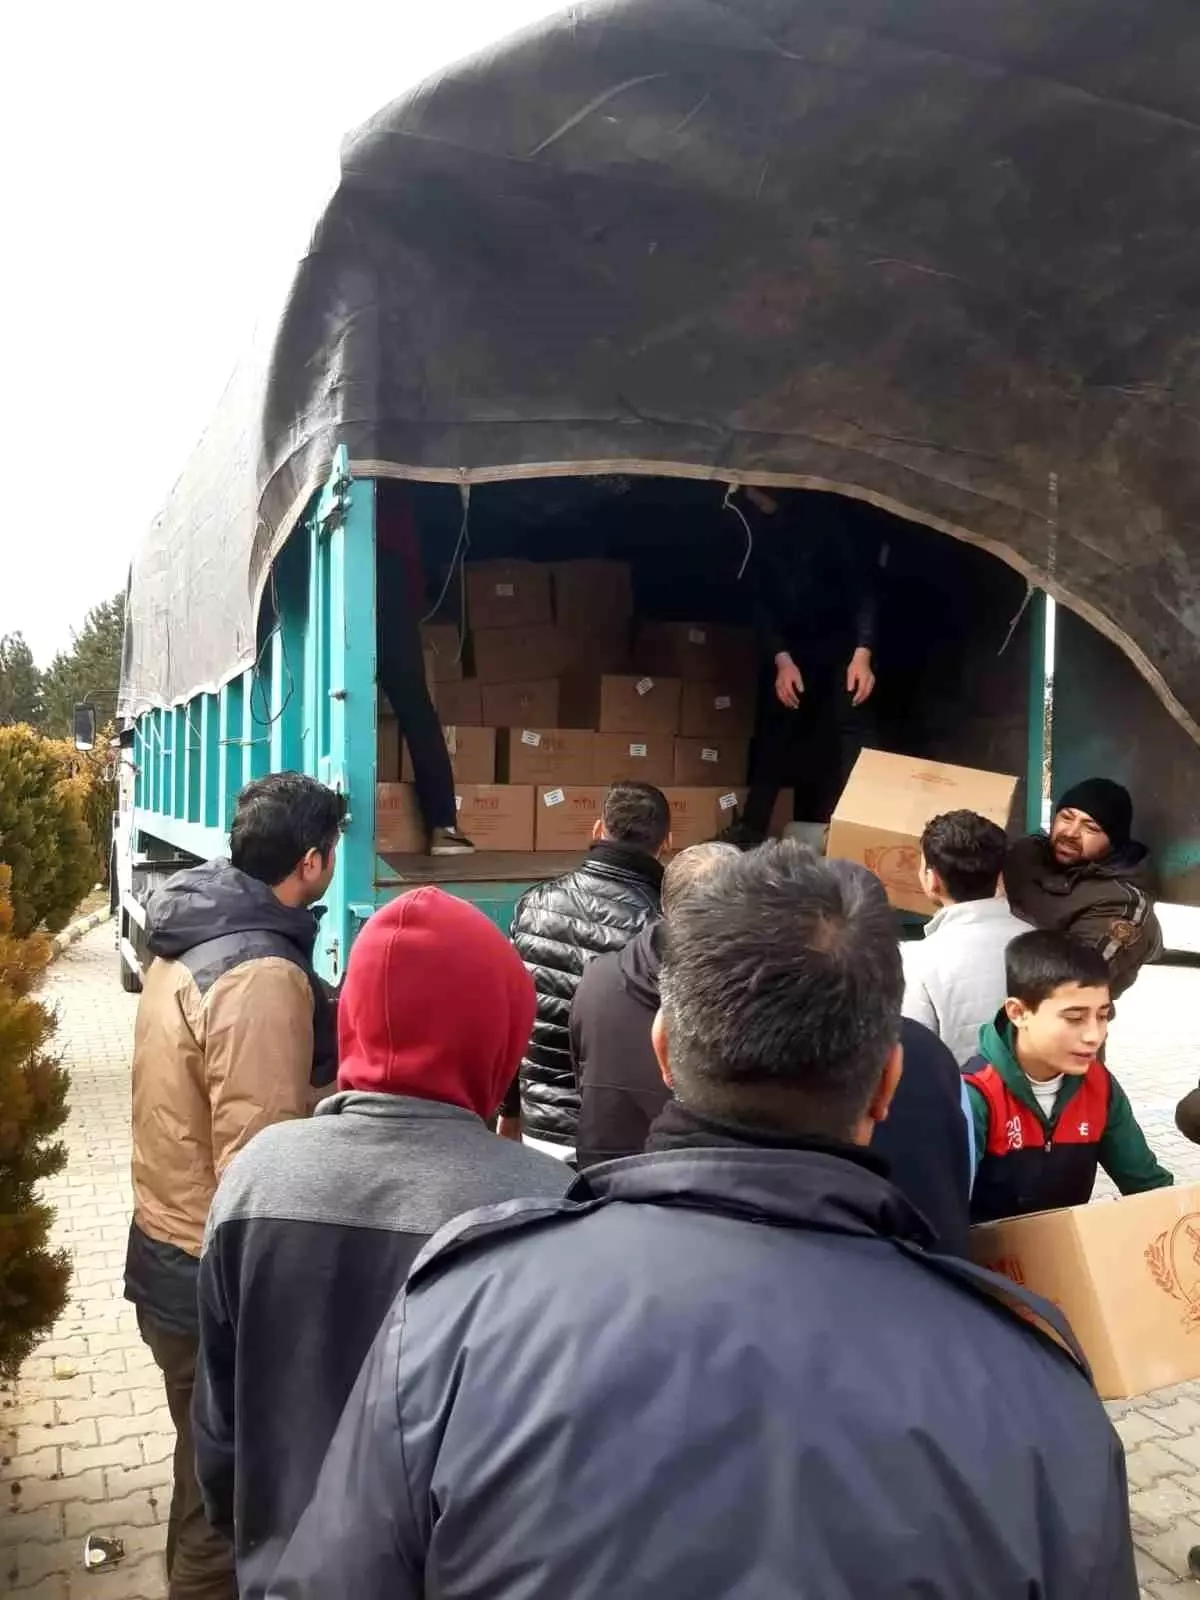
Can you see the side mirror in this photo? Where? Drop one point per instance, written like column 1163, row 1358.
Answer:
column 85, row 727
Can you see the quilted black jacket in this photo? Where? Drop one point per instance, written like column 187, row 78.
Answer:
column 558, row 927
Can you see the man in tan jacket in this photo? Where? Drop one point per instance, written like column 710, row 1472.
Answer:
column 233, row 1032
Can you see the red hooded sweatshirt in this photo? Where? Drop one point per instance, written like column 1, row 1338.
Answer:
column 436, row 1004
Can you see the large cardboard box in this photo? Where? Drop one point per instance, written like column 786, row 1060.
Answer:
column 702, row 762
column 442, row 641
column 472, row 754
column 567, row 815
column 644, row 757
column 717, row 710
column 546, row 755
column 698, row 652
column 638, row 705
column 603, row 647
column 399, row 830
column 508, row 594
column 459, row 705
column 1126, row 1274
column 517, row 655
column 387, row 754
column 591, row 594
column 521, row 705
column 884, row 808
column 496, row 816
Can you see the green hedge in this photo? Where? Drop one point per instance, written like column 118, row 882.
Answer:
column 44, row 836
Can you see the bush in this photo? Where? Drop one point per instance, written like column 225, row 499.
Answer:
column 90, row 776
column 33, row 1089
column 43, row 835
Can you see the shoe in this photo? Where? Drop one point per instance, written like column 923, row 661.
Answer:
column 737, row 833
column 449, row 842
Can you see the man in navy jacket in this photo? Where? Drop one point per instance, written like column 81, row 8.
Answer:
column 728, row 1367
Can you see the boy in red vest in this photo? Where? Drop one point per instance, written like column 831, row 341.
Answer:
column 1047, row 1111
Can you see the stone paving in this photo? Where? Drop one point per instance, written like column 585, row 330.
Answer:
column 85, row 1441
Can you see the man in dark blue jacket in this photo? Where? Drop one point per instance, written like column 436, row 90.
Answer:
column 727, row 1367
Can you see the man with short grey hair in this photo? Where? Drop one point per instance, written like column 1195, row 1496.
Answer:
column 621, row 1089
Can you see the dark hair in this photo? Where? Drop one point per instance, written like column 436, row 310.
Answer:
column 278, row 820
column 967, row 853
column 781, row 989
column 1038, row 963
column 688, row 867
column 637, row 814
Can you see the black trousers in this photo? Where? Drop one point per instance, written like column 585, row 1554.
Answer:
column 810, row 750
column 401, row 673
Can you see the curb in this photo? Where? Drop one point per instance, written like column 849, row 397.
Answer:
column 72, row 935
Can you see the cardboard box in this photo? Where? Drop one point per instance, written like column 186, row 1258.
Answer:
column 508, row 594
column 567, row 815
column 472, row 754
column 442, row 641
column 387, row 753
column 717, row 710
column 517, row 655
column 1126, row 1275
column 546, row 755
column 698, row 652
column 638, row 705
column 591, row 651
column 589, row 594
column 459, row 704
column 701, row 813
column 645, row 757
column 521, row 705
column 886, row 804
column 701, row 762
column 399, row 829
column 496, row 816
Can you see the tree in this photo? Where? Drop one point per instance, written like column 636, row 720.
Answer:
column 20, row 682
column 90, row 671
column 44, row 839
column 33, row 1092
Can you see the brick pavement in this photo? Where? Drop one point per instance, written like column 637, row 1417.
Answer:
column 85, row 1441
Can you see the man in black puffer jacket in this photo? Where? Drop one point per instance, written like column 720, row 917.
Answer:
column 559, row 926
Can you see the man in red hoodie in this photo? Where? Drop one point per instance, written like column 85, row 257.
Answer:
column 316, row 1224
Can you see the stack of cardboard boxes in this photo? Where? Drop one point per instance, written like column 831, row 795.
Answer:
column 568, row 695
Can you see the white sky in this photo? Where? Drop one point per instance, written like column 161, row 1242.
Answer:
column 158, row 164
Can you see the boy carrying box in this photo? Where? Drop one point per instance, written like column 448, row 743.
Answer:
column 1047, row 1111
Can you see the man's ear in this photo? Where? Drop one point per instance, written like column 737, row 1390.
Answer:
column 889, row 1081
column 1016, row 1011
column 658, row 1038
column 666, row 847
column 598, row 831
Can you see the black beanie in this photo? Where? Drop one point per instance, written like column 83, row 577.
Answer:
column 1105, row 802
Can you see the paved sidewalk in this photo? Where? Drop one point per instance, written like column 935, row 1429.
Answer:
column 85, row 1442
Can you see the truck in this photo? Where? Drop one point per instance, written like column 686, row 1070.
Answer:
column 577, row 292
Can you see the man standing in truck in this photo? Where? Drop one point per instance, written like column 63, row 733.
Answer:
column 816, row 583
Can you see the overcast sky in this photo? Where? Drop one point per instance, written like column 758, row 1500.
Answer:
column 159, row 163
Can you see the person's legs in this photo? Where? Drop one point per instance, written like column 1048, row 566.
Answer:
column 778, row 751
column 199, row 1559
column 401, row 673
column 836, row 732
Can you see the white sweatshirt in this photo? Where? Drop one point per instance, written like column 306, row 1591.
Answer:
column 954, row 977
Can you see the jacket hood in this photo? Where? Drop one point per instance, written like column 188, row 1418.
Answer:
column 213, row 900
column 804, row 1188
column 639, row 964
column 436, row 1004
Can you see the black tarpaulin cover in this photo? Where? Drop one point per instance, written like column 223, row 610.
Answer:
column 940, row 253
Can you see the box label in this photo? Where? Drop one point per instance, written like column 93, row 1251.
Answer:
column 697, row 636
column 723, row 702
column 553, row 797
column 644, row 685
column 637, row 750
column 710, row 755
column 727, row 802
column 531, row 736
column 506, row 590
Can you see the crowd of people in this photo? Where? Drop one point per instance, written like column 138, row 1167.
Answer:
column 702, row 1319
